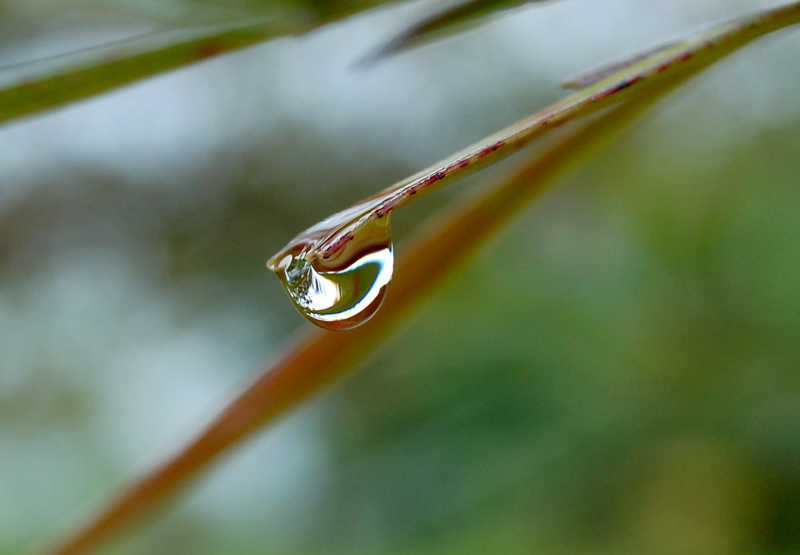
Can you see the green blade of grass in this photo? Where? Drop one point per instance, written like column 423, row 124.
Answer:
column 59, row 81
column 35, row 87
column 52, row 83
column 319, row 357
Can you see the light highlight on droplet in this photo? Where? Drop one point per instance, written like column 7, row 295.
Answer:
column 343, row 290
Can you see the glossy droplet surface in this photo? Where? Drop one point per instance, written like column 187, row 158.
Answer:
column 339, row 280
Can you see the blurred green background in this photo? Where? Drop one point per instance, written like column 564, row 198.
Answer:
column 616, row 372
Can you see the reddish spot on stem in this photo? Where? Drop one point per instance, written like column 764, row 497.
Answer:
column 434, row 178
column 340, row 242
column 627, row 83
column 686, row 56
column 485, row 152
column 463, row 164
column 209, row 50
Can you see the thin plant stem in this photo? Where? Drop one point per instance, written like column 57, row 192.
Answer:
column 603, row 88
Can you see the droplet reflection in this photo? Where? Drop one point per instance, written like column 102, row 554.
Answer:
column 343, row 289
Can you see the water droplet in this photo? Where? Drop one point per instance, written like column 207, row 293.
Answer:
column 337, row 279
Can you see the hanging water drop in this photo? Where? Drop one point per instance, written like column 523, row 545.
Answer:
column 335, row 278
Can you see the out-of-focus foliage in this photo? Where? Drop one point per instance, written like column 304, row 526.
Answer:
column 445, row 19
column 615, row 373
column 144, row 40
column 140, row 43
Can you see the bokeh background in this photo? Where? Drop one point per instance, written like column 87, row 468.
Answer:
column 618, row 371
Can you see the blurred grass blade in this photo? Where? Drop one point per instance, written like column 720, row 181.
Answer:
column 329, row 239
column 51, row 83
column 39, row 86
column 319, row 356
column 443, row 20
